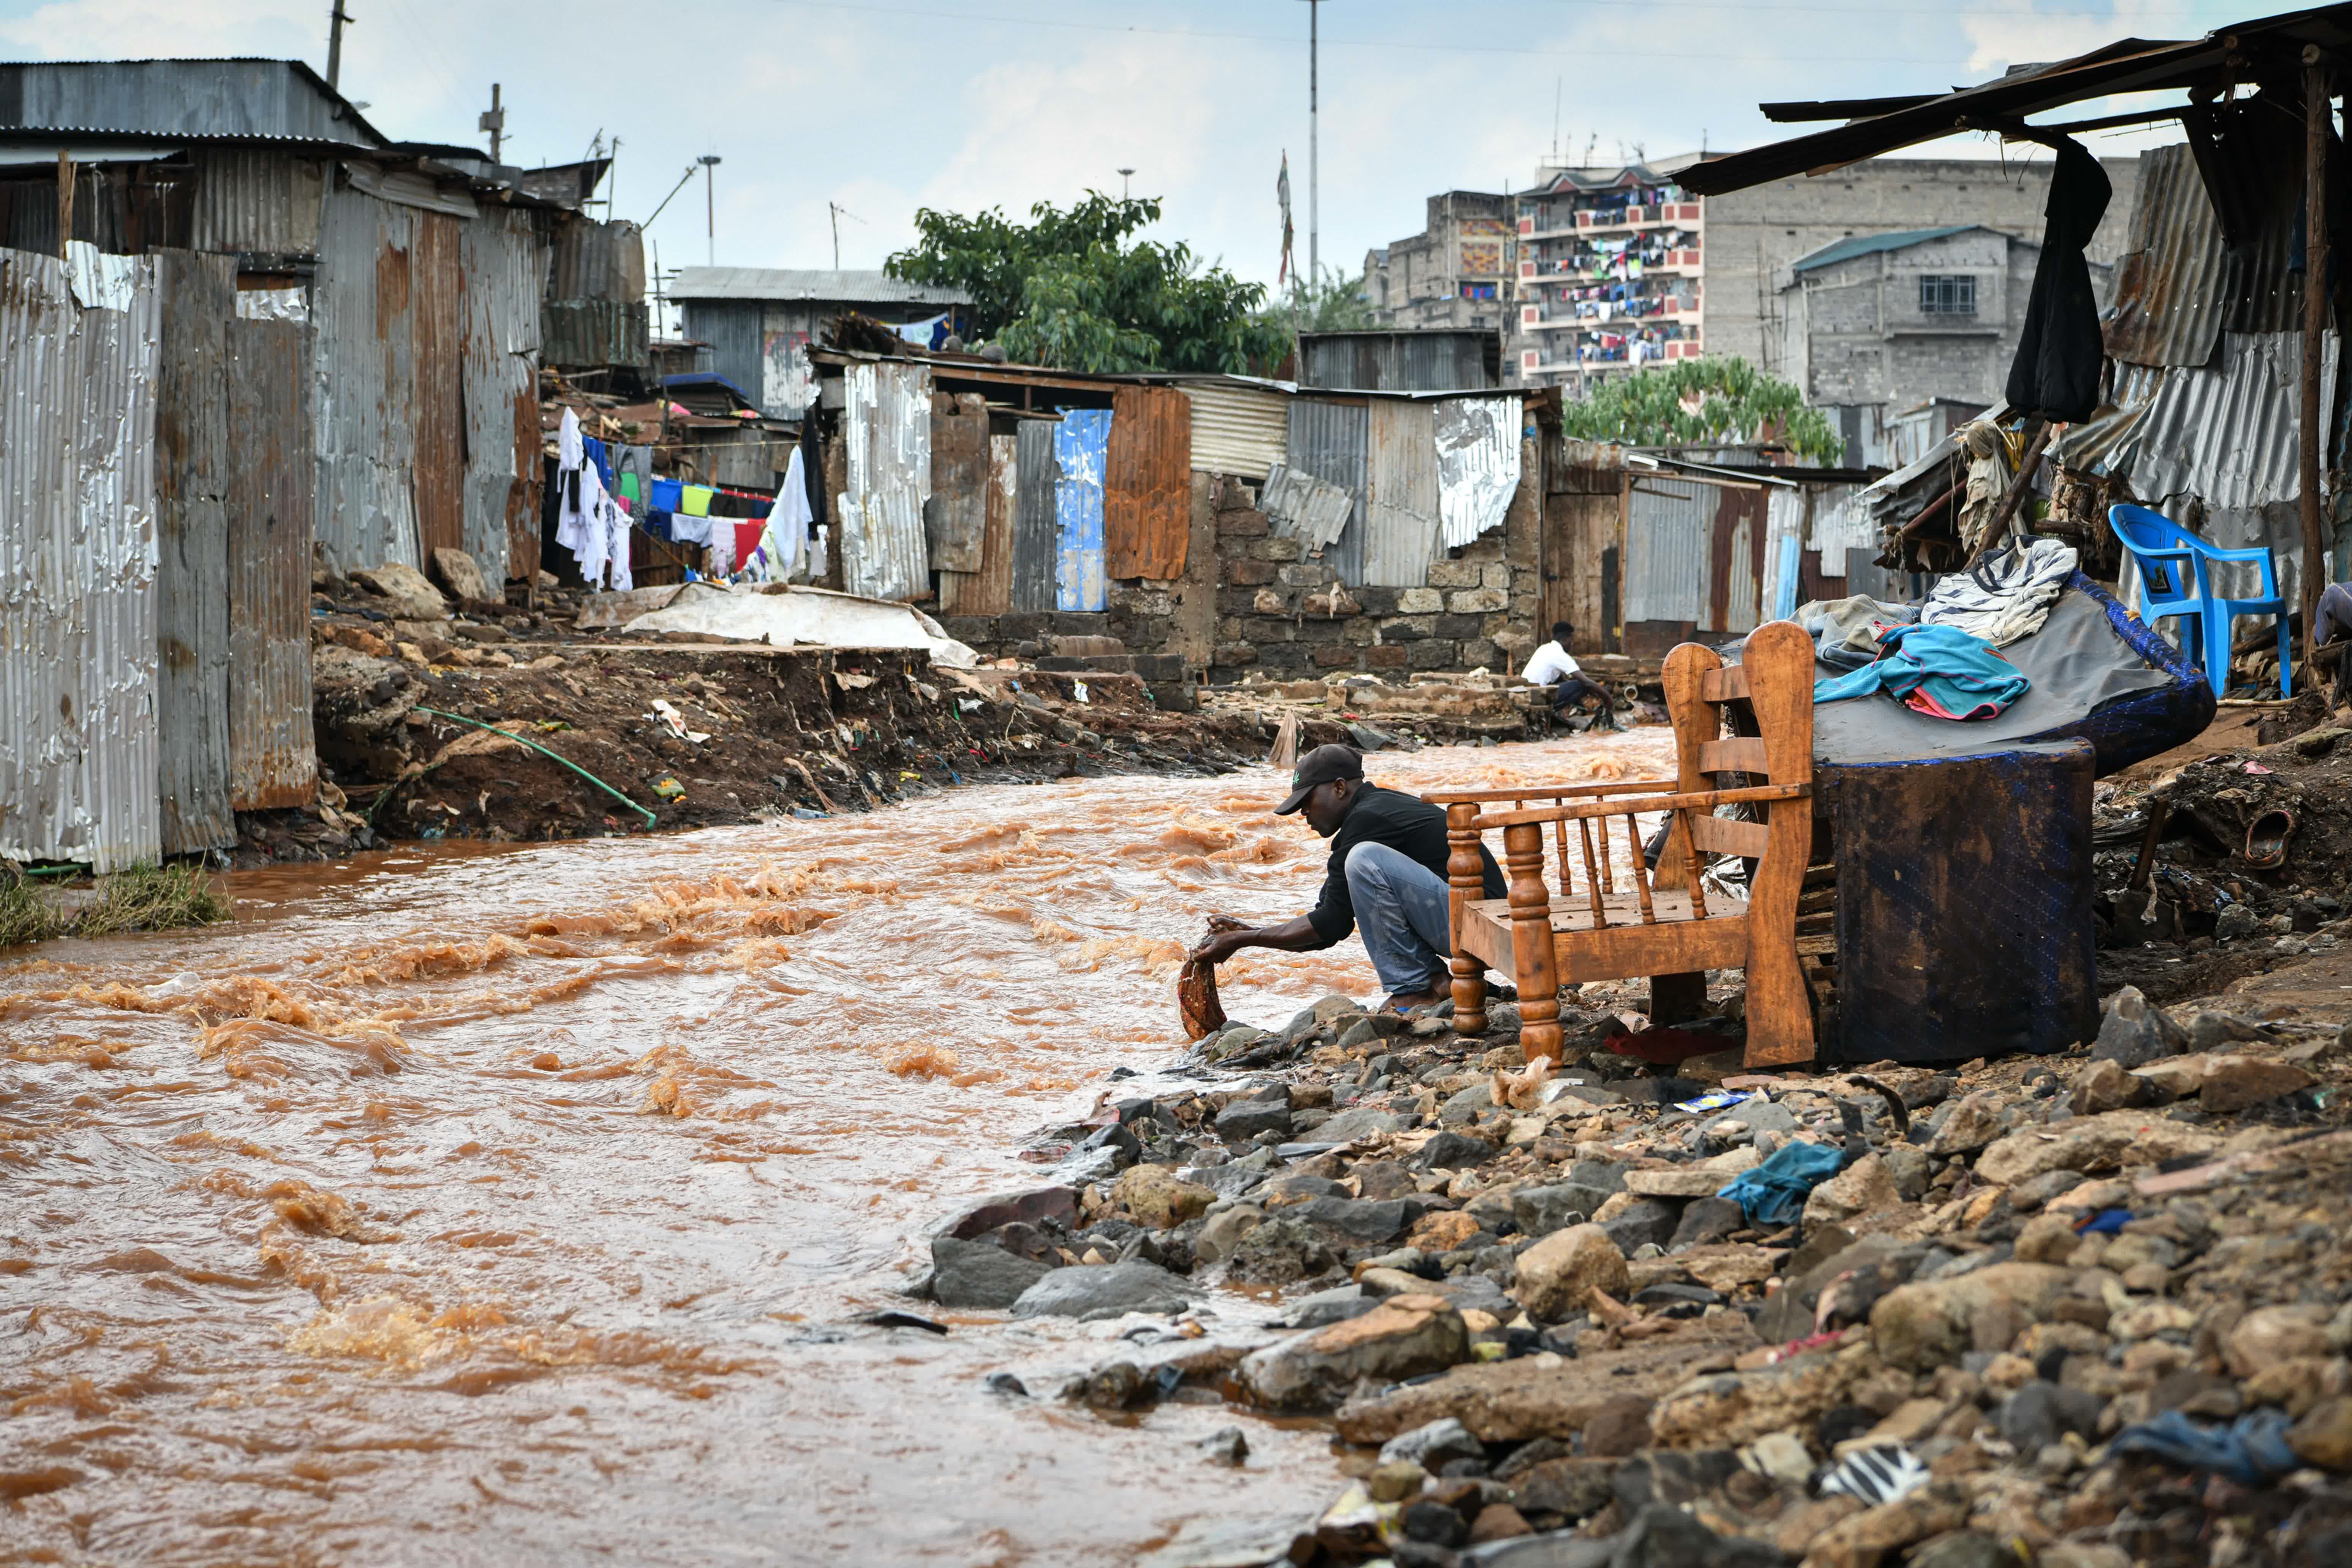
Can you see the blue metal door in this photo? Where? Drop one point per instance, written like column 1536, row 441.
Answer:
column 1081, row 442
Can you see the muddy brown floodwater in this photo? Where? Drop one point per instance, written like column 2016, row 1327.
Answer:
column 474, row 1206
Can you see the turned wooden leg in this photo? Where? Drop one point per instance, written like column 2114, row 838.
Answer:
column 1465, row 879
column 1532, row 954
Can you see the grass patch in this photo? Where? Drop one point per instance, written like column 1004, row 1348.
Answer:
column 25, row 915
column 143, row 898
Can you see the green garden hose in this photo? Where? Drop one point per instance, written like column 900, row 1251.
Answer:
column 542, row 750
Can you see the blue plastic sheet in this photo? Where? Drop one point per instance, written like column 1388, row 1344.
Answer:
column 1774, row 1193
column 2251, row 1450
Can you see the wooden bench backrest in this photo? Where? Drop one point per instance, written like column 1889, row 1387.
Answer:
column 1750, row 723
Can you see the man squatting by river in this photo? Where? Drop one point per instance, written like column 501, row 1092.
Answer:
column 1386, row 877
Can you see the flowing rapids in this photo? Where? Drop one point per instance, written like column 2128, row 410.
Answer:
column 471, row 1206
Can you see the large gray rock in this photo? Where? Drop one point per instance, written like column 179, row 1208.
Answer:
column 1539, row 1211
column 1359, row 1222
column 1403, row 1337
column 1650, row 1220
column 1269, row 1111
column 461, row 574
column 1356, row 1122
column 980, row 1274
column 1281, row 1251
column 1090, row 1294
column 412, row 597
column 2135, row 1031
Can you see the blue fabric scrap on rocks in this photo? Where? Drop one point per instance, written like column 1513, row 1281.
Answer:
column 2106, row 1222
column 2250, row 1450
column 1774, row 1193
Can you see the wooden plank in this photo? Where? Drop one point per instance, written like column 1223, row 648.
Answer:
column 989, row 590
column 1560, row 792
column 1740, row 755
column 436, row 324
column 196, row 295
column 1705, row 799
column 1147, row 499
column 1728, row 684
column 1780, row 658
column 1723, row 836
column 272, row 762
column 955, row 518
column 1681, row 946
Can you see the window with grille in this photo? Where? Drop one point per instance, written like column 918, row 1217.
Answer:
column 1947, row 294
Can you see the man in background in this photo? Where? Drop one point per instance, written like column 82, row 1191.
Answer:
column 1552, row 666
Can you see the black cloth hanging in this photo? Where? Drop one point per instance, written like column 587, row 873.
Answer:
column 813, row 467
column 2056, row 373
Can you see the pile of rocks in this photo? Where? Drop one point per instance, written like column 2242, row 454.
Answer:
column 2081, row 1311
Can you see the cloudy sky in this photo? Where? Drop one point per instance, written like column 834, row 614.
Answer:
column 958, row 104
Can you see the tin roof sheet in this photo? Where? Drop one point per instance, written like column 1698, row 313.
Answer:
column 848, row 287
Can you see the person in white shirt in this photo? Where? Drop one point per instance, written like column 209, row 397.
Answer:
column 1552, row 666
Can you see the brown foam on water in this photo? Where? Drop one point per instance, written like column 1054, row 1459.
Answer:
column 509, row 1199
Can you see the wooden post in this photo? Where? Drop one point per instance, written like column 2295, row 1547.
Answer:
column 1997, row 528
column 1533, row 956
column 1465, row 879
column 65, row 202
column 2317, row 113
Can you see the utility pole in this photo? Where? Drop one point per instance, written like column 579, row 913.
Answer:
column 1314, row 247
column 1124, row 175
column 337, row 19
column 709, row 161
column 839, row 212
column 494, row 121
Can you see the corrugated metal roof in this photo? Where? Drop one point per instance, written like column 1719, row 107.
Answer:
column 2229, row 435
column 887, row 418
column 1668, row 530
column 598, row 261
column 228, row 97
column 1477, row 464
column 2170, row 284
column 582, row 334
column 2095, row 445
column 1328, row 441
column 1400, row 495
column 1237, row 429
column 1853, row 245
column 80, row 765
column 1081, row 446
column 1147, row 490
column 848, row 287
column 1299, row 506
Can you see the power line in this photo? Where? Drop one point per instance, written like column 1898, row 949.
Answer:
column 1492, row 50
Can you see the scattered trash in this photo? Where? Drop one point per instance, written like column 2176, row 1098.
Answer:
column 1878, row 1476
column 2249, row 1450
column 1715, row 1101
column 676, row 721
column 1078, row 691
column 669, row 789
column 1774, row 1193
column 2267, row 836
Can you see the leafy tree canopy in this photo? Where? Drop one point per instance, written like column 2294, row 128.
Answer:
column 1699, row 401
column 1335, row 304
column 1072, row 288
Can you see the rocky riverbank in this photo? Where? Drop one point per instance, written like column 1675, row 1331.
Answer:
column 2078, row 1311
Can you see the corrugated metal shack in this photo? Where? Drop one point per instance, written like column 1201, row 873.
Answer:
column 275, row 328
column 760, row 322
column 1428, row 359
column 594, row 320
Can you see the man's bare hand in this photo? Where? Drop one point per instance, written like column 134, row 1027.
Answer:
column 1224, row 945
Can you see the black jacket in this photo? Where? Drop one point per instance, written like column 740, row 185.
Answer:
column 1414, row 828
column 2056, row 373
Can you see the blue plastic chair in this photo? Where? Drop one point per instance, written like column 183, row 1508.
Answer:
column 2176, row 580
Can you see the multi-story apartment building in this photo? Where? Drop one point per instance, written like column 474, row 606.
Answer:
column 1611, row 275
column 1456, row 272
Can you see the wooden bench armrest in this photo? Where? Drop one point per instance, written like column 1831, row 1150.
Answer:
column 1696, row 800
column 1547, row 791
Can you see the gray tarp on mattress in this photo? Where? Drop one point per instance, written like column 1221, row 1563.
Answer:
column 2077, row 662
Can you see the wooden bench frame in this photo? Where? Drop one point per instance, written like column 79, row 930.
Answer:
column 1662, row 926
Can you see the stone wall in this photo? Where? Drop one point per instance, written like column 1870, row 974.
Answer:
column 1287, row 617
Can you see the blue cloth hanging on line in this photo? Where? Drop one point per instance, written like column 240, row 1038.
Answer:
column 593, row 451
column 1941, row 671
column 670, row 495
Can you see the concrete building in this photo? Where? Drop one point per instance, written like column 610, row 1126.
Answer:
column 1754, row 235
column 1610, row 275
column 1456, row 272
column 1880, row 326
column 759, row 321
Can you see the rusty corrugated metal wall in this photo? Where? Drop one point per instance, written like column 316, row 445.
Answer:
column 79, row 744
column 197, row 297
column 256, row 200
column 1036, row 527
column 887, row 418
column 437, row 319
column 1147, row 487
column 989, row 590
column 955, row 518
column 272, row 762
column 1399, row 510
column 1735, row 569
column 2170, row 285
column 502, row 257
column 366, row 394
column 1669, row 529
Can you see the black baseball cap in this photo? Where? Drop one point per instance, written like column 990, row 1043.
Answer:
column 1321, row 766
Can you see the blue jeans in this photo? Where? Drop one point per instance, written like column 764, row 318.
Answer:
column 1400, row 912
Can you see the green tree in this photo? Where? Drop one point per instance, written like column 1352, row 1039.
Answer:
column 1699, row 401
column 1072, row 288
column 1334, row 304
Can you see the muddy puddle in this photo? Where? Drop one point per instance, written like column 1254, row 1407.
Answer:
column 465, row 1205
